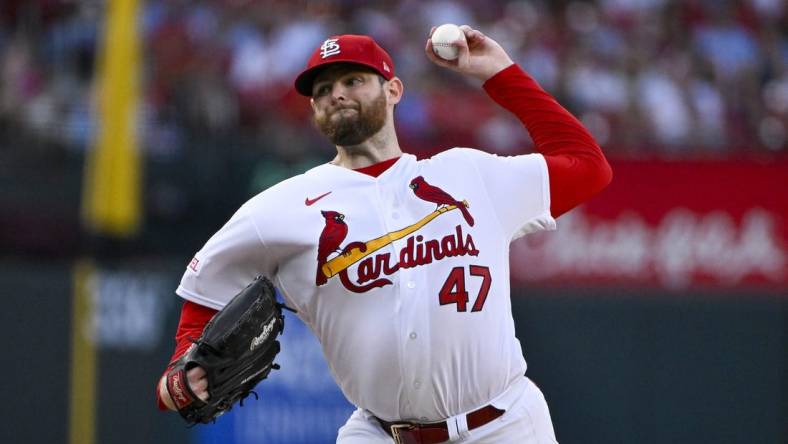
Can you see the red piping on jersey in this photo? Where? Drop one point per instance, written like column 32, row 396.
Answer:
column 578, row 170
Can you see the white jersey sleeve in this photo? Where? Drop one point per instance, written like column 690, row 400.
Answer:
column 518, row 188
column 228, row 262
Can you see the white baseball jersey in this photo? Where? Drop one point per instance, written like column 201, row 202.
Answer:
column 404, row 277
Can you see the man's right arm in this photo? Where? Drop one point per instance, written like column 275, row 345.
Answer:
column 194, row 318
column 230, row 259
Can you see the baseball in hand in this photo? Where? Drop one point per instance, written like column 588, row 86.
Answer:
column 443, row 41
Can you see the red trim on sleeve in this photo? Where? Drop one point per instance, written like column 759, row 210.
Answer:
column 577, row 167
column 378, row 168
column 194, row 317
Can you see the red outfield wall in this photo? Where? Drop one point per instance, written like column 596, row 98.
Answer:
column 672, row 224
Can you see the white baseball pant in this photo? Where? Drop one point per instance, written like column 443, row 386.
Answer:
column 526, row 422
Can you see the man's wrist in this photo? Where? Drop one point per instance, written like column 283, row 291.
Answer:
column 164, row 395
column 497, row 69
column 503, row 76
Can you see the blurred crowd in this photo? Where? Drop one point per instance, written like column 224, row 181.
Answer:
column 219, row 119
column 686, row 78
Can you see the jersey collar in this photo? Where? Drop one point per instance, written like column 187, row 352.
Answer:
column 341, row 173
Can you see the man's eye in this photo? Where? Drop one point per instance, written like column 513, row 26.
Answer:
column 354, row 81
column 321, row 91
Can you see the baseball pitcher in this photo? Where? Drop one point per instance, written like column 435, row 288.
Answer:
column 400, row 266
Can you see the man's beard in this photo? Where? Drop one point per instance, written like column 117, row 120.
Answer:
column 355, row 129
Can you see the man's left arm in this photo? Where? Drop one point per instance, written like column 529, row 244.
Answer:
column 577, row 168
column 576, row 165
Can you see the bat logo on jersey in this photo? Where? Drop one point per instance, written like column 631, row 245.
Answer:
column 416, row 252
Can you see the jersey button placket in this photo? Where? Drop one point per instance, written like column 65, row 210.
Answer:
column 412, row 323
column 418, row 354
column 391, row 217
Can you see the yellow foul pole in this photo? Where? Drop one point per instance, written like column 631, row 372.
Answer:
column 111, row 195
column 111, row 203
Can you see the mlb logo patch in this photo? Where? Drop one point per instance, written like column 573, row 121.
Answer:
column 193, row 264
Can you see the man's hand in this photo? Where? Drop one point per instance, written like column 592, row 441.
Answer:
column 235, row 352
column 198, row 384
column 479, row 55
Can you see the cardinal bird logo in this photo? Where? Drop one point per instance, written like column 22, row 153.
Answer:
column 331, row 238
column 431, row 193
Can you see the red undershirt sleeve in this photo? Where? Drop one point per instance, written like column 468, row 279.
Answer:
column 577, row 168
column 194, row 317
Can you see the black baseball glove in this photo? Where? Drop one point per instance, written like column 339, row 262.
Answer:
column 236, row 350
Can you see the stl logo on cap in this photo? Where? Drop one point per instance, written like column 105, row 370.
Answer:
column 329, row 47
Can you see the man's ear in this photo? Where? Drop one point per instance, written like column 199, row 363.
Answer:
column 394, row 90
column 312, row 104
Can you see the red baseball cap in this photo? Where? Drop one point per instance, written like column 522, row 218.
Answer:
column 358, row 49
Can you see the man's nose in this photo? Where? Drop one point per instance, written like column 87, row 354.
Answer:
column 338, row 92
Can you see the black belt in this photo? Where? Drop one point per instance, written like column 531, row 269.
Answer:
column 434, row 433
